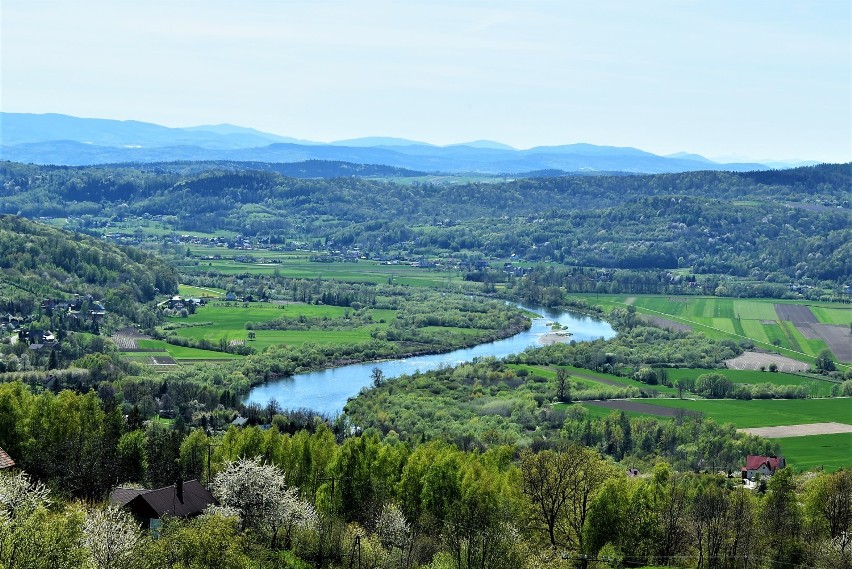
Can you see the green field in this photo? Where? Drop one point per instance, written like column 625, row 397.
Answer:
column 182, row 354
column 739, row 319
column 815, row 451
column 816, row 387
column 297, row 264
column 200, row 292
column 766, row 412
column 227, row 320
column 596, row 412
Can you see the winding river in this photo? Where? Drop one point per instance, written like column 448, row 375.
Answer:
column 328, row 390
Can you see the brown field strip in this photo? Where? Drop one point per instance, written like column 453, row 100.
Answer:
column 799, row 430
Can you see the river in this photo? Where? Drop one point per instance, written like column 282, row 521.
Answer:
column 327, row 391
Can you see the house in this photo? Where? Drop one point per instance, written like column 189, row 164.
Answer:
column 5, row 460
column 181, row 500
column 239, row 421
column 174, row 303
column 763, row 465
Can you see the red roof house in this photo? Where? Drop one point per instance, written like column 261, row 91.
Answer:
column 5, row 460
column 763, row 465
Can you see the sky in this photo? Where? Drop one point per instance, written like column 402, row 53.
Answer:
column 751, row 80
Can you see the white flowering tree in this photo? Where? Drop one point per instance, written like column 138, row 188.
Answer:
column 22, row 503
column 19, row 495
column 261, row 495
column 111, row 536
column 392, row 528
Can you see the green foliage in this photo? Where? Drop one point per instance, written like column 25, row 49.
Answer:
column 712, row 222
column 45, row 261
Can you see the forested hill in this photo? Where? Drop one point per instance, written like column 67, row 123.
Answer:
column 38, row 262
column 161, row 188
column 796, row 221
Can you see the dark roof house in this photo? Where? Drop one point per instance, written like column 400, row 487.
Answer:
column 5, row 460
column 182, row 500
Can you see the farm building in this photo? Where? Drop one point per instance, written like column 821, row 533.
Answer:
column 763, row 465
column 182, row 500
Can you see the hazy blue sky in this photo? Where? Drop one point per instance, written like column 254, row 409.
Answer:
column 759, row 79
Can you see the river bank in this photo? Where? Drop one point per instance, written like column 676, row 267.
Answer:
column 326, row 391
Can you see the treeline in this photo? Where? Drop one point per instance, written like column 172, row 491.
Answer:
column 428, row 505
column 548, row 285
column 663, row 221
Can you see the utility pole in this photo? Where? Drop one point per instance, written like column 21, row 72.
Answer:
column 355, row 544
column 317, row 481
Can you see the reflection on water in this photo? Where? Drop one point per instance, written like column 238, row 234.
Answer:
column 326, row 391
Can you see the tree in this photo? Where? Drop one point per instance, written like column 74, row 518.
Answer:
column 378, row 377
column 560, row 487
column 112, row 538
column 781, row 517
column 563, row 386
column 546, row 484
column 262, row 496
column 31, row 535
column 829, row 504
column 825, row 360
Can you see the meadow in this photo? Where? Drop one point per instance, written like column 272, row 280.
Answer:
column 830, row 452
column 180, row 353
column 766, row 412
column 218, row 321
column 298, row 264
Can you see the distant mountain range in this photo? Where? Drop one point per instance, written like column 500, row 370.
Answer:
column 66, row 140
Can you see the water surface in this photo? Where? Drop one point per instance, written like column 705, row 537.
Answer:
column 328, row 390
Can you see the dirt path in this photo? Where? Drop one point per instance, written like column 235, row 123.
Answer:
column 799, row 430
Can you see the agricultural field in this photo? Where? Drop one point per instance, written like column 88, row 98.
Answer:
column 180, row 353
column 765, row 412
column 227, row 321
column 816, row 387
column 797, row 329
column 200, row 292
column 803, row 452
column 830, row 452
column 298, row 264
column 594, row 411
